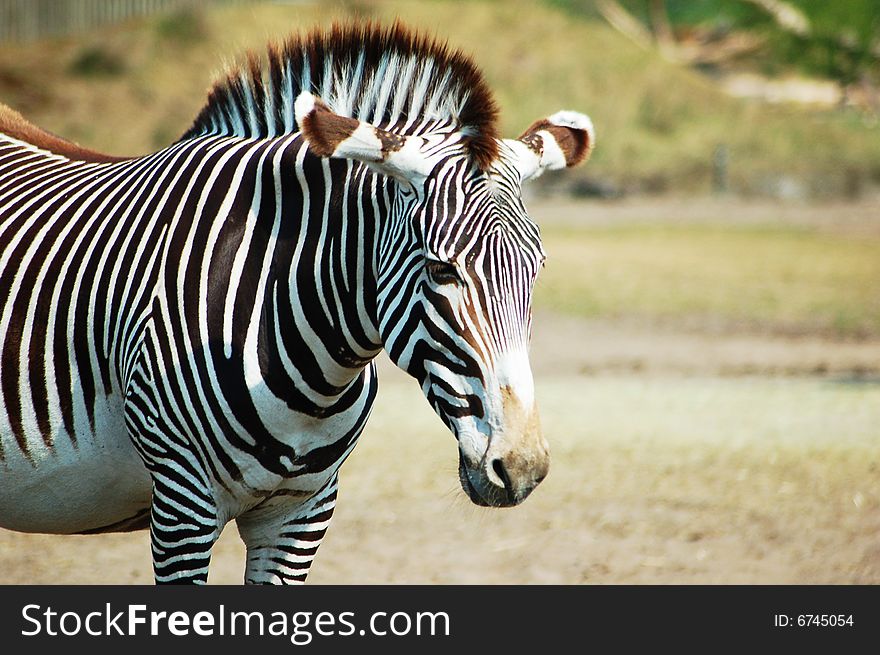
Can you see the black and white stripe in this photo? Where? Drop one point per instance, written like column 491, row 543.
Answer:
column 186, row 337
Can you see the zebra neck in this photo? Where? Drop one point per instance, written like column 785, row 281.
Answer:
column 324, row 301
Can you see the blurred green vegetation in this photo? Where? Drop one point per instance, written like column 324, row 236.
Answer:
column 184, row 26
column 96, row 61
column 658, row 123
column 842, row 41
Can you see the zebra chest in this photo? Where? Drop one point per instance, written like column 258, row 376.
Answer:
column 249, row 441
column 301, row 457
column 298, row 446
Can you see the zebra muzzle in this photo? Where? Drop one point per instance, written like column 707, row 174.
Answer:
column 516, row 461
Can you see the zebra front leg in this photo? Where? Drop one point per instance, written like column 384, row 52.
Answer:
column 183, row 528
column 282, row 539
column 184, row 520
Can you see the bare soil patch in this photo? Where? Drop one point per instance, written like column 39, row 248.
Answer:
column 668, row 467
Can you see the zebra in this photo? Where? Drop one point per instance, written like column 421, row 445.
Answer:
column 188, row 337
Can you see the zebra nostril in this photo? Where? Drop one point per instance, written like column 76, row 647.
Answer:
column 501, row 472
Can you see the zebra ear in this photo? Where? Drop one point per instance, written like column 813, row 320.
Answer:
column 331, row 135
column 564, row 139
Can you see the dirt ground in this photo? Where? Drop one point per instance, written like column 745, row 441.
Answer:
column 673, row 463
column 855, row 217
column 678, row 457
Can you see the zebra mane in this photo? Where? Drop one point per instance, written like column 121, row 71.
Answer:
column 394, row 77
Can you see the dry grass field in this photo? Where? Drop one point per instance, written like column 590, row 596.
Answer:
column 685, row 449
column 708, row 368
column 655, row 479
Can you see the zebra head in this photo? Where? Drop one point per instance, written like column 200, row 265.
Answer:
column 456, row 265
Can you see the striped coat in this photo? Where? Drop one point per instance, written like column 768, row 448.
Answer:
column 187, row 336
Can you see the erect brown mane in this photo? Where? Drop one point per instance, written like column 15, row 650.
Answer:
column 358, row 69
column 16, row 126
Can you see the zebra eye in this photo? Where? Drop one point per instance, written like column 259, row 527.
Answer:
column 442, row 272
